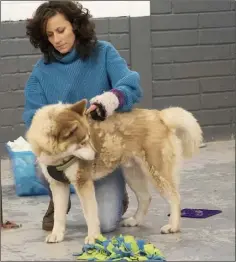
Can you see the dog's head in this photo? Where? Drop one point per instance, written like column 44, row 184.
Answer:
column 61, row 130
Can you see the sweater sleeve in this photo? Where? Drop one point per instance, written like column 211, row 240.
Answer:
column 125, row 83
column 34, row 99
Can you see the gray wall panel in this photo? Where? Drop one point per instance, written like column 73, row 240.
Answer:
column 193, row 60
column 184, row 52
column 18, row 58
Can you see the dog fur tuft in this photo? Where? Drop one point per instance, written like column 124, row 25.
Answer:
column 186, row 126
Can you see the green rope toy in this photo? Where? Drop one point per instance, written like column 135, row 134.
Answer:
column 121, row 248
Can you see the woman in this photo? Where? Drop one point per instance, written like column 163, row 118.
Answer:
column 75, row 65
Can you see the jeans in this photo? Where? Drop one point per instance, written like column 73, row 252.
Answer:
column 110, row 192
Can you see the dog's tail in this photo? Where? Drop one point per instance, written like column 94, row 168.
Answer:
column 186, row 126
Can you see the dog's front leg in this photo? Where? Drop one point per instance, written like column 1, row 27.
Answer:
column 60, row 194
column 86, row 192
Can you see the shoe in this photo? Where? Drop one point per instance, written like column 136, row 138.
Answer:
column 125, row 202
column 48, row 219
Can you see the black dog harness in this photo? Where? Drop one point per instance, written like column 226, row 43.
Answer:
column 57, row 172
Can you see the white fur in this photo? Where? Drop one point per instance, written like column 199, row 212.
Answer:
column 52, row 160
column 71, row 172
column 60, row 193
column 86, row 153
column 109, row 100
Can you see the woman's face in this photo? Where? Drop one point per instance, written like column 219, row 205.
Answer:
column 60, row 33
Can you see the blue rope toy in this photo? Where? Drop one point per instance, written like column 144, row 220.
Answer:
column 121, row 248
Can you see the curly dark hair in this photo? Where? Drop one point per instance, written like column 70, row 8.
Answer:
column 79, row 17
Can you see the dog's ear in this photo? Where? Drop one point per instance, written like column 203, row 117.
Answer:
column 80, row 107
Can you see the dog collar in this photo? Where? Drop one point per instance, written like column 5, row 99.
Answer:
column 58, row 172
column 66, row 164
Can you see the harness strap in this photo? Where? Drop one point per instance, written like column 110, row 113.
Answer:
column 57, row 172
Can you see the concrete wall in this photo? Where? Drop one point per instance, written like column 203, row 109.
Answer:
column 18, row 58
column 193, row 60
column 184, row 51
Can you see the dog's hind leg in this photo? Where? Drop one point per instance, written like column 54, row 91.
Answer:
column 137, row 181
column 165, row 178
column 60, row 194
column 173, row 198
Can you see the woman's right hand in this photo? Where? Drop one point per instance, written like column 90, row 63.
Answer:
column 97, row 112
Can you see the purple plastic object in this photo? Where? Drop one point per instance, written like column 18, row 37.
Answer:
column 198, row 213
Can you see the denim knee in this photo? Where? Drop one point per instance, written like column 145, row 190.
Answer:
column 109, row 226
column 110, row 194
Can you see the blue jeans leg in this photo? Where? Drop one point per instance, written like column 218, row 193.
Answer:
column 110, row 192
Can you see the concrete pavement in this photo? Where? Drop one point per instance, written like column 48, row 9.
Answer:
column 207, row 181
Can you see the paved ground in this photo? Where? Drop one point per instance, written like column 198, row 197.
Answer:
column 208, row 181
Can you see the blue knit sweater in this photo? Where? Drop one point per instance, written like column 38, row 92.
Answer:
column 70, row 79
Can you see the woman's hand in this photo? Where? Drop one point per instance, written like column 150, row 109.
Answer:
column 91, row 108
column 103, row 106
column 97, row 112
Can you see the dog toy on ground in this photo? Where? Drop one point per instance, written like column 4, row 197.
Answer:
column 121, row 248
column 198, row 213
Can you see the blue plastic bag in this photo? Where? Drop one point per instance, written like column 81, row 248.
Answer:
column 25, row 173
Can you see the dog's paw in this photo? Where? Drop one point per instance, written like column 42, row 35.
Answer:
column 90, row 239
column 129, row 222
column 55, row 237
column 167, row 229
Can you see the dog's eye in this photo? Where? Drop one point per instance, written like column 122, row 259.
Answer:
column 84, row 141
column 70, row 133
